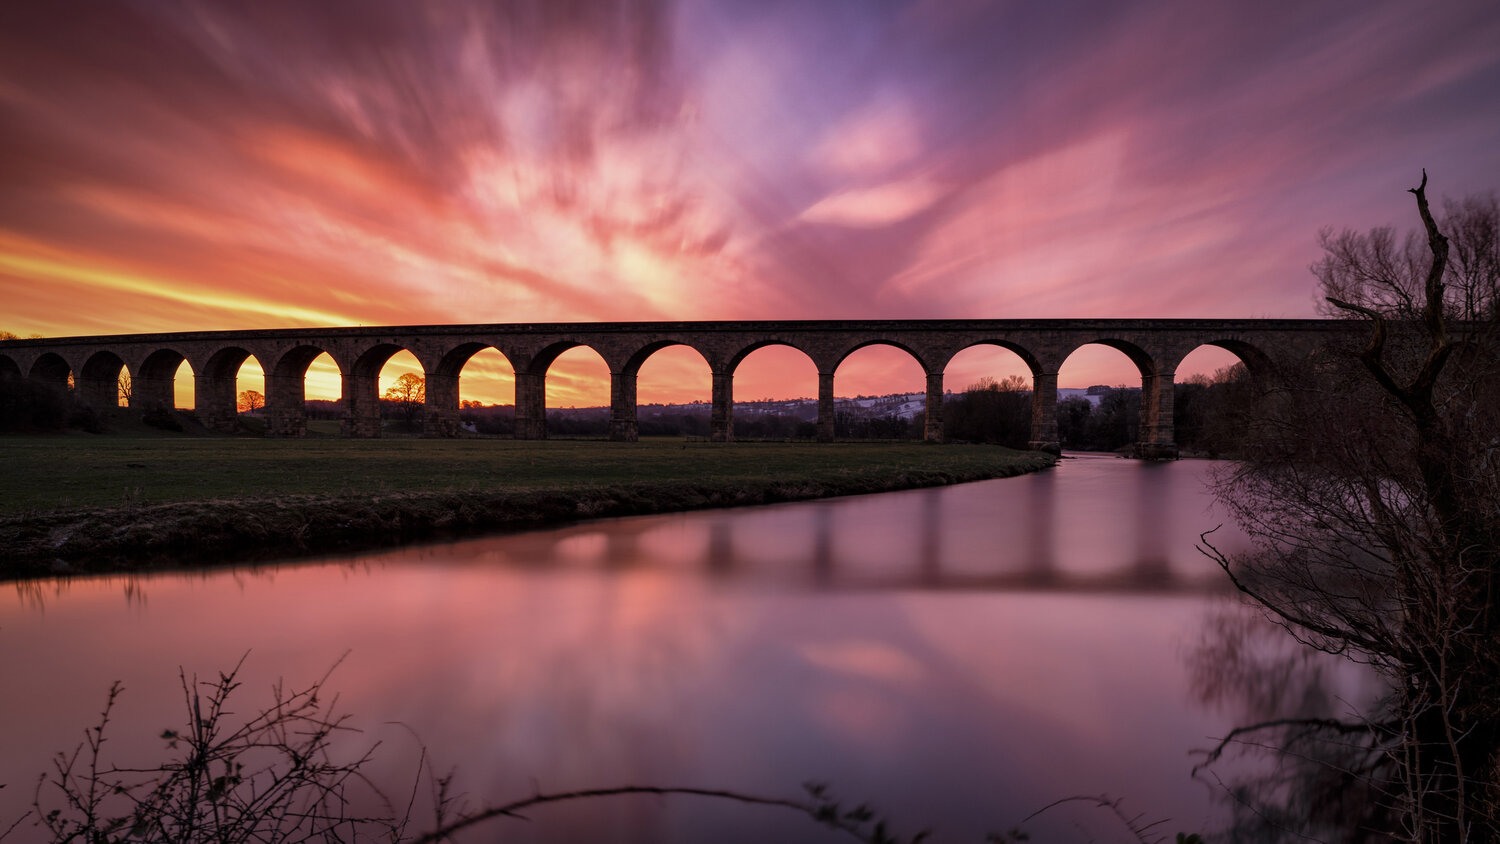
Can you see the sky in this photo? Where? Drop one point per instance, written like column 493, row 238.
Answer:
column 175, row 166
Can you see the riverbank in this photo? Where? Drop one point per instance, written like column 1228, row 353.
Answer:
column 73, row 504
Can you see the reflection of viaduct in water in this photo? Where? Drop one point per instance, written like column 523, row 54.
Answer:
column 1156, row 347
column 733, row 544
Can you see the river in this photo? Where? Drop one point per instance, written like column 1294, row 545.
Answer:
column 957, row 657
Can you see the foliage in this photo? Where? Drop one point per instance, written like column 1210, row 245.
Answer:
column 773, row 426
column 33, row 406
column 990, row 412
column 27, row 405
column 494, row 420
column 271, row 777
column 162, row 419
column 407, row 398
column 1210, row 413
column 674, row 425
column 575, row 423
column 1114, row 424
column 1372, row 488
column 856, row 425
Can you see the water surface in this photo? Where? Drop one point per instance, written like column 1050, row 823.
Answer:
column 958, row 657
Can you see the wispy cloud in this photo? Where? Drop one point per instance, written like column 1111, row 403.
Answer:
column 193, row 165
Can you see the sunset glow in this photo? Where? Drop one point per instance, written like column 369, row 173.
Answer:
column 175, row 166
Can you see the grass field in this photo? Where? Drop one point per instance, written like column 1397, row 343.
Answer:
column 39, row 474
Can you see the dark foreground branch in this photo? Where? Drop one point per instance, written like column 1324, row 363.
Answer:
column 1331, row 725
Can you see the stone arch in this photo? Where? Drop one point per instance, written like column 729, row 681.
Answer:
column 155, row 382
column 547, row 355
column 1004, row 418
column 738, row 357
column 721, row 424
column 294, row 362
column 636, row 360
column 99, row 379
column 9, row 369
column 1142, row 359
column 361, row 389
column 1154, row 437
column 1020, row 351
column 881, row 341
column 452, row 363
column 286, row 391
column 226, row 363
column 531, row 386
column 1257, row 362
column 624, row 407
column 932, row 395
column 50, row 368
column 443, row 380
column 1206, row 413
column 373, row 359
column 215, row 398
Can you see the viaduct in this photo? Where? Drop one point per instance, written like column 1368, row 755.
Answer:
column 1155, row 346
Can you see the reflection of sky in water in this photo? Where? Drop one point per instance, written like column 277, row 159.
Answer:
column 750, row 649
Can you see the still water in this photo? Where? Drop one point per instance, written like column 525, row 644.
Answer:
column 958, row 657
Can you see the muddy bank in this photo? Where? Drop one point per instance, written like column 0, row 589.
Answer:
column 204, row 533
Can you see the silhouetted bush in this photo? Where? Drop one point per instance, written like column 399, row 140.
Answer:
column 578, row 424
column 773, row 426
column 163, row 419
column 1114, row 424
column 989, row 412
column 1210, row 414
column 85, row 418
column 675, row 425
column 27, row 405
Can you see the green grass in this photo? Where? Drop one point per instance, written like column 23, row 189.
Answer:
column 53, row 473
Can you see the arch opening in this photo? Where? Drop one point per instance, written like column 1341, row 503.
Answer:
column 125, row 388
column 880, row 392
column 104, row 382
column 1214, row 392
column 401, row 390
column 303, row 392
column 474, row 390
column 156, row 387
column 775, row 394
column 183, row 379
column 249, row 386
column 41, row 400
column 229, row 392
column 674, row 392
column 52, row 370
column 987, row 396
column 1099, row 391
column 577, row 393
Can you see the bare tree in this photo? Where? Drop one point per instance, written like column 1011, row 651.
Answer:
column 1379, row 271
column 250, row 400
column 1372, row 489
